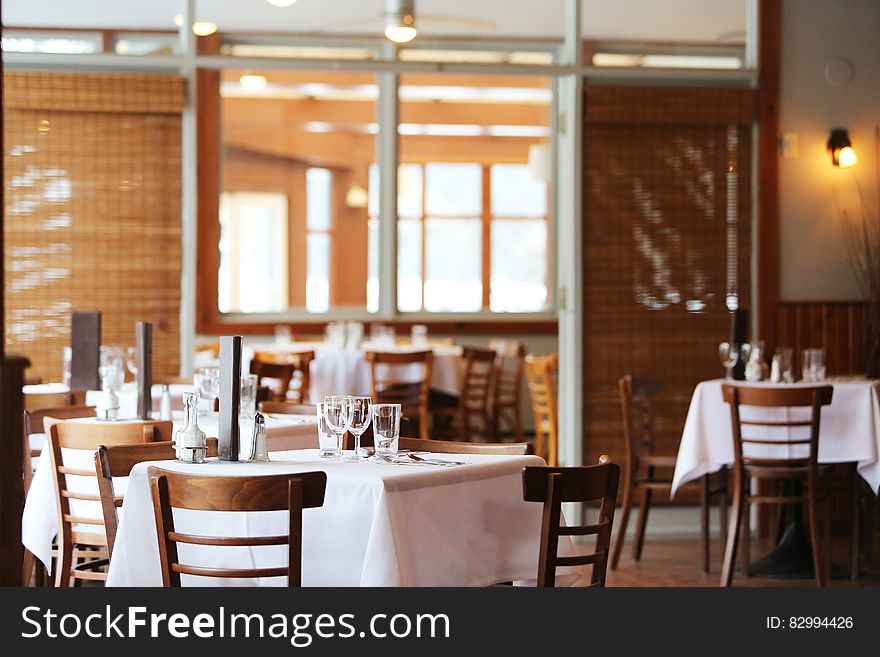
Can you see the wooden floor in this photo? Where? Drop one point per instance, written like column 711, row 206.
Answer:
column 677, row 563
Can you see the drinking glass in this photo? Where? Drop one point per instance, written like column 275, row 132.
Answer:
column 131, row 361
column 386, row 429
column 729, row 355
column 248, row 406
column 328, row 442
column 358, row 419
column 419, row 334
column 283, row 336
column 207, row 382
column 817, row 365
column 785, row 364
column 114, row 357
column 335, row 410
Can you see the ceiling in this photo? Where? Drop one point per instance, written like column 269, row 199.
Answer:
column 640, row 20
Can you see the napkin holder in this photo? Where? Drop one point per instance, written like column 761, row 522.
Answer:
column 85, row 350
column 230, row 398
column 144, row 337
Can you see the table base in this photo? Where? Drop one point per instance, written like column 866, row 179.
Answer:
column 792, row 557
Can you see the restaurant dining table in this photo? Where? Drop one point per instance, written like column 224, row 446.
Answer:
column 381, row 524
column 340, row 371
column 39, row 523
column 127, row 395
column 849, row 433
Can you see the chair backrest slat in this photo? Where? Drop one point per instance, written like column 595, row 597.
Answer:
column 541, row 372
column 453, row 447
column 412, row 394
column 288, row 408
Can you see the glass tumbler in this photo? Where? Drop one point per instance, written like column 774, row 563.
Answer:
column 386, row 429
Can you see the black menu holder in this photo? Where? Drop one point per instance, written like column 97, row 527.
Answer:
column 85, row 350
column 739, row 335
column 230, row 397
column 144, row 337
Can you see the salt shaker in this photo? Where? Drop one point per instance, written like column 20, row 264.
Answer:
column 165, row 403
column 259, row 447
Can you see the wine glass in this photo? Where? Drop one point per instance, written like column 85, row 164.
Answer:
column 336, row 417
column 207, row 382
column 248, row 407
column 131, row 361
column 386, row 429
column 358, row 419
column 729, row 355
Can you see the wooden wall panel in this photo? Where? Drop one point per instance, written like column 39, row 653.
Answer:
column 836, row 326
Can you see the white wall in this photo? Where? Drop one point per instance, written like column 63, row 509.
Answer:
column 814, row 262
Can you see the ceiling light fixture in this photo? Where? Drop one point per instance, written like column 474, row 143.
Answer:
column 400, row 20
column 204, row 28
column 281, row 4
column 177, row 20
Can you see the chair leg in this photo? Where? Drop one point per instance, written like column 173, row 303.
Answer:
column 732, row 534
column 854, row 522
column 815, row 539
column 28, row 569
column 723, row 503
column 628, row 491
column 746, row 537
column 704, row 521
column 63, row 565
column 517, row 423
column 644, row 507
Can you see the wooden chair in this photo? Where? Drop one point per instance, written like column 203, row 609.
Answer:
column 509, row 364
column 412, row 394
column 451, row 447
column 299, row 383
column 282, row 372
column 292, row 493
column 541, row 373
column 467, row 416
column 637, row 405
column 73, row 539
column 36, row 400
column 553, row 487
column 796, row 471
column 287, row 408
column 117, row 461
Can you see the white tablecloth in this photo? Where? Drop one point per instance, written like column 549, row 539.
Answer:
column 381, row 525
column 340, row 372
column 849, row 432
column 39, row 523
column 127, row 395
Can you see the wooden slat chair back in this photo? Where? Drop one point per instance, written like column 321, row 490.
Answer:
column 542, row 374
column 287, row 408
column 453, row 447
column 798, row 434
column 507, row 388
column 280, row 372
column 75, row 484
column 299, row 384
column 34, row 429
column 552, row 487
column 641, row 478
column 412, row 393
column 117, row 461
column 470, row 417
column 37, row 400
column 291, row 493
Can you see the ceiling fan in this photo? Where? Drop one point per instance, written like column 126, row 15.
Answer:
column 399, row 19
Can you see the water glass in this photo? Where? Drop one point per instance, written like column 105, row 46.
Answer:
column 419, row 334
column 813, row 365
column 358, row 419
column 786, row 374
column 207, row 384
column 283, row 336
column 248, row 406
column 335, row 411
column 729, row 355
column 386, row 428
column 328, row 442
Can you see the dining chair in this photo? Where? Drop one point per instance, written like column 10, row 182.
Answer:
column 117, row 461
column 298, row 385
column 506, row 407
column 553, row 486
column 642, row 480
column 452, row 447
column 280, row 372
column 541, row 374
column 411, row 392
column 34, row 442
column 795, row 436
column 287, row 408
column 81, row 536
column 175, row 490
column 466, row 416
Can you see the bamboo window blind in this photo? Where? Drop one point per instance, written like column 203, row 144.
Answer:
column 667, row 206
column 92, row 211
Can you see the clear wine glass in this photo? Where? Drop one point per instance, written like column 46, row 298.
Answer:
column 729, row 355
column 359, row 415
column 207, row 382
column 336, row 417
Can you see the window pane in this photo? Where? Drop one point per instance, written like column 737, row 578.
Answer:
column 318, row 277
column 453, row 251
column 409, row 190
column 409, row 265
column 519, row 265
column 318, row 198
column 516, row 192
column 453, row 189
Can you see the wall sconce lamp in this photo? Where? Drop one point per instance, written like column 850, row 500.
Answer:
column 842, row 153
column 357, row 197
